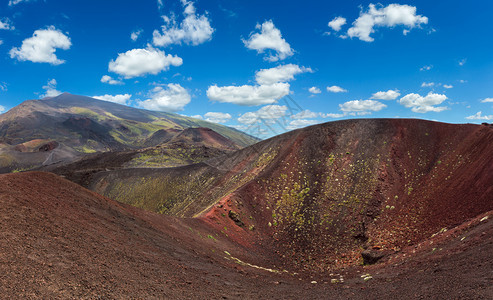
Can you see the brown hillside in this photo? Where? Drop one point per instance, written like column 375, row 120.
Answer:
column 59, row 240
column 204, row 136
column 329, row 191
column 317, row 197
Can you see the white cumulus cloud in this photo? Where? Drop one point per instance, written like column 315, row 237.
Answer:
column 426, row 68
column 331, row 115
column 448, row 86
column 487, row 100
column 248, row 118
column 269, row 38
column 6, row 24
column 337, row 23
column 41, row 47
column 50, row 89
column 248, row 95
column 193, row 30
column 427, row 84
column 171, row 98
column 2, row 109
column 336, row 89
column 388, row 95
column 268, row 113
column 217, row 117
column 120, row 99
column 109, row 80
column 314, row 90
column 479, row 116
column 139, row 62
column 420, row 104
column 300, row 123
column 15, row 2
column 362, row 106
column 135, row 34
column 388, row 16
column 306, row 114
column 279, row 74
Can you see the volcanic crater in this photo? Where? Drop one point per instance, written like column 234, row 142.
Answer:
column 350, row 209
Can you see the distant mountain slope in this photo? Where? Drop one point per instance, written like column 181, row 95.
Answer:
column 205, row 137
column 82, row 125
column 319, row 195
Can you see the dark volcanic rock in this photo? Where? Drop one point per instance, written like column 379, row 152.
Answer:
column 48, row 147
column 372, row 256
column 235, row 217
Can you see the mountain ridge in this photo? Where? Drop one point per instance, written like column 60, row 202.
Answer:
column 84, row 125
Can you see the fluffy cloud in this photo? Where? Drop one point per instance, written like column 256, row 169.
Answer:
column 15, row 2
column 295, row 124
column 268, row 113
column 314, row 90
column 487, row 100
column 50, row 89
column 388, row 95
column 361, row 106
column 135, row 34
column 269, row 38
column 109, row 80
column 420, row 104
column 6, row 24
column 306, row 114
column 427, row 84
column 272, row 112
column 336, row 89
column 479, row 116
column 279, row 74
column 337, row 23
column 217, row 117
column 2, row 109
column 426, row 68
column 170, row 99
column 248, row 95
column 193, row 30
column 333, row 116
column 388, row 16
column 138, row 62
column 41, row 47
column 120, row 99
column 248, row 118
column 448, row 86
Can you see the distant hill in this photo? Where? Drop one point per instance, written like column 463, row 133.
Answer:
column 204, row 136
column 78, row 125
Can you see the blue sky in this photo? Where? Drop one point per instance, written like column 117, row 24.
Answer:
column 235, row 62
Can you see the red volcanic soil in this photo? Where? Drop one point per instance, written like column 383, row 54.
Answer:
column 37, row 145
column 59, row 240
column 204, row 136
column 297, row 212
column 321, row 195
